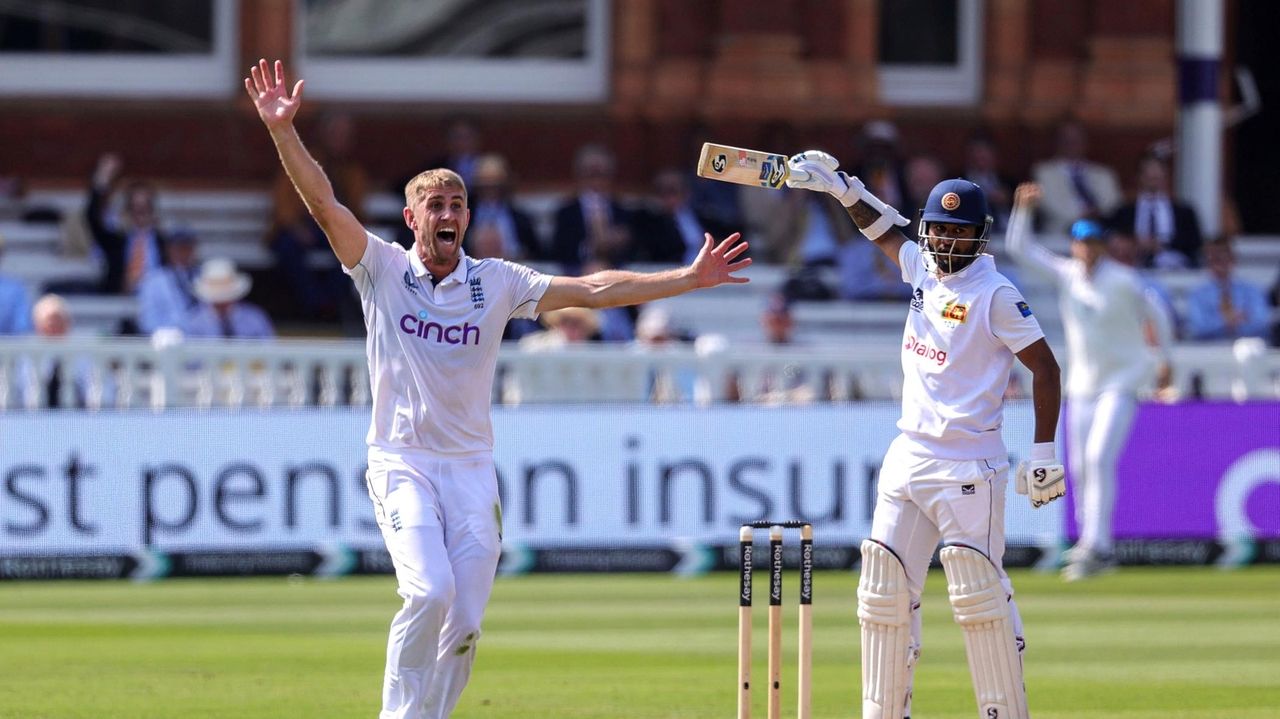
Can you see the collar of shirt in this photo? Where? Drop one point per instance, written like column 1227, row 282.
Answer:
column 977, row 268
column 459, row 274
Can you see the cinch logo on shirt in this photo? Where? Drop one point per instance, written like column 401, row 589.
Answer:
column 464, row 334
column 920, row 349
column 955, row 311
column 1024, row 308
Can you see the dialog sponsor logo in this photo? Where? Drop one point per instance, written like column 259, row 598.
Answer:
column 925, row 351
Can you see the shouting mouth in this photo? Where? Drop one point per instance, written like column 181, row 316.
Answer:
column 447, row 236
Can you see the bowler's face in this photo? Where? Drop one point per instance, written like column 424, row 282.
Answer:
column 439, row 220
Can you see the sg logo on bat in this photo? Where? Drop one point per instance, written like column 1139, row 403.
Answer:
column 719, row 163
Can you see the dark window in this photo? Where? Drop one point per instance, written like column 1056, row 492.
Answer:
column 919, row 32
column 135, row 27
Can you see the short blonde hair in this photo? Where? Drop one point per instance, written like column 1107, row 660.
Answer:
column 432, row 179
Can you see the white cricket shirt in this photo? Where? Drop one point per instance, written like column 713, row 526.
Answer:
column 1104, row 316
column 958, row 348
column 433, row 350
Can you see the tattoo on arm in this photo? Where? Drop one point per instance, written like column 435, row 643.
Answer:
column 864, row 215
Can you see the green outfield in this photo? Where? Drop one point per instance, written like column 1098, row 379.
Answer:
column 1141, row 644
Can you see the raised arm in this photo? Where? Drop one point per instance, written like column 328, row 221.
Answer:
column 878, row 222
column 277, row 108
column 714, row 265
column 1019, row 239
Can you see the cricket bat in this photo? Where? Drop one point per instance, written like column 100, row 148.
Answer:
column 744, row 167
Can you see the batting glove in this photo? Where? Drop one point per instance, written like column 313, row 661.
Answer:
column 816, row 170
column 1042, row 478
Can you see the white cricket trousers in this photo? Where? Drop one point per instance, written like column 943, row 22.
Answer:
column 1097, row 429
column 441, row 521
column 921, row 500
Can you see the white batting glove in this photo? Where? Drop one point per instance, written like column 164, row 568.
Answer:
column 1042, row 478
column 816, row 170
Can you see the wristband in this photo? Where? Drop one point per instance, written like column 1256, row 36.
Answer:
column 889, row 217
column 1043, row 452
column 874, row 230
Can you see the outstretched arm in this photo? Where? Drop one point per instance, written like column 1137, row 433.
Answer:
column 277, row 108
column 714, row 265
column 1019, row 240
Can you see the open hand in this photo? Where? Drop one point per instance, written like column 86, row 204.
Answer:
column 715, row 263
column 276, row 105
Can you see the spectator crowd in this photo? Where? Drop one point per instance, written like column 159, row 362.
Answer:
column 183, row 291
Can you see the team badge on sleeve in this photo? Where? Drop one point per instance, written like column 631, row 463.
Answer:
column 1024, row 308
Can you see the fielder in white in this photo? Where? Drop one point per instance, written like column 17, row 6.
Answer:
column 945, row 475
column 435, row 318
column 1107, row 311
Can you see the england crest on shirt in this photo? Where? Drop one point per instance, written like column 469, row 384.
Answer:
column 411, row 282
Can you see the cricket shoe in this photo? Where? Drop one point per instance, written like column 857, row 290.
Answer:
column 1089, row 565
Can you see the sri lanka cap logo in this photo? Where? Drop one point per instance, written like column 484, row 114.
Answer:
column 950, row 201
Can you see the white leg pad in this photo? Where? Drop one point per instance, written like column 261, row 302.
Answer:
column 981, row 607
column 884, row 611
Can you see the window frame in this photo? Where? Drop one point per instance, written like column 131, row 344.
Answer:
column 114, row 75
column 941, row 85
column 465, row 81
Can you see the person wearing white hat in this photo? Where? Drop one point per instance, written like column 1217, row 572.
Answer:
column 221, row 289
column 435, row 318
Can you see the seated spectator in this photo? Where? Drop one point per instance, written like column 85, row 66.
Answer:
column 129, row 245
column 51, row 383
column 1225, row 307
column 15, row 305
column 866, row 273
column 1072, row 186
column 923, row 172
column 593, row 224
column 671, row 231
column 784, row 383
column 491, row 204
column 1167, row 229
column 982, row 167
column 655, row 332
column 16, row 205
column 567, row 326
column 304, row 264
column 167, row 296
column 1274, row 297
column 1123, row 248
column 462, row 154
column 222, row 312
column 880, row 166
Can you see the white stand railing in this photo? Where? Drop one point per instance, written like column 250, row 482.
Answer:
column 102, row 373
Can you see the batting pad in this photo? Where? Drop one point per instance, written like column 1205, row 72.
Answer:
column 981, row 607
column 884, row 611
